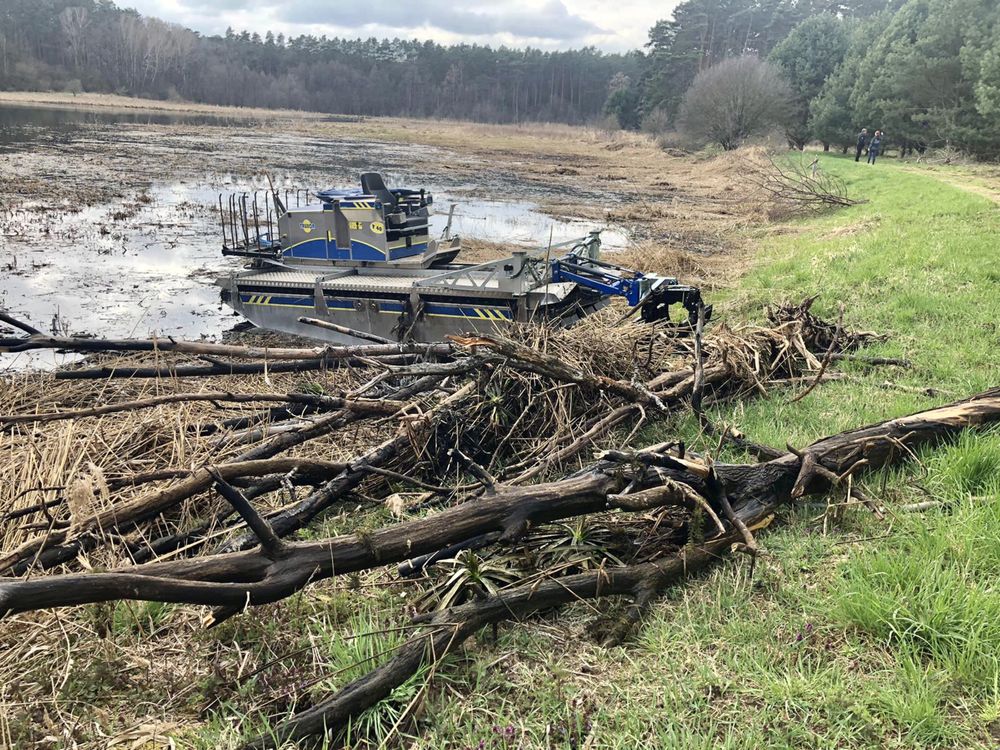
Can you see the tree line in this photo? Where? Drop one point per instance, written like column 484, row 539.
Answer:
column 95, row 46
column 925, row 71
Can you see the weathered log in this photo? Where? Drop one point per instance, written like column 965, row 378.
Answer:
column 253, row 577
column 326, row 402
column 76, row 344
column 222, row 368
column 142, row 549
column 345, row 330
column 12, row 321
column 418, row 565
column 238, row 579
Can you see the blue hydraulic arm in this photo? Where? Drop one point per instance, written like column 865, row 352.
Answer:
column 652, row 293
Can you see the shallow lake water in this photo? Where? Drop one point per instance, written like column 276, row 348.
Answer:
column 145, row 264
column 22, row 126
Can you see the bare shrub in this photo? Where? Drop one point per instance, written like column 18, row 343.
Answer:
column 656, row 122
column 735, row 100
column 792, row 186
column 945, row 155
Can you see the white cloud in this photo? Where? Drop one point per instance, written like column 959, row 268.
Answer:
column 548, row 24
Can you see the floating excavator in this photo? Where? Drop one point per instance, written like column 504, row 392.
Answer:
column 365, row 261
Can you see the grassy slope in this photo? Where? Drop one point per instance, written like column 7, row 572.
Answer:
column 851, row 633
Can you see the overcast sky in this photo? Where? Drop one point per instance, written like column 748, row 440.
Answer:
column 612, row 25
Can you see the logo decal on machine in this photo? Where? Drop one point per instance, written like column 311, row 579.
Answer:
column 307, row 226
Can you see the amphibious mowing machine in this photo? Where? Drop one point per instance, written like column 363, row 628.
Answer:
column 364, row 260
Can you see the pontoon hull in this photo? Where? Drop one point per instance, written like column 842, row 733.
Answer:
column 391, row 303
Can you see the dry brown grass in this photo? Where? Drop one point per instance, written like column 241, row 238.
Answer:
column 475, row 250
column 117, row 103
column 96, row 450
column 125, row 672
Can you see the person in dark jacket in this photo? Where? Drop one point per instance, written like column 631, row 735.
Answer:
column 874, row 146
column 862, row 142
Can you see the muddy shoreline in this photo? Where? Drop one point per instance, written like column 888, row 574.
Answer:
column 108, row 223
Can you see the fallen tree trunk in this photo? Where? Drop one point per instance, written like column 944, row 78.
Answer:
column 256, row 576
column 383, row 407
column 77, row 344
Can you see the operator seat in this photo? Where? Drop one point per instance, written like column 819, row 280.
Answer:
column 373, row 184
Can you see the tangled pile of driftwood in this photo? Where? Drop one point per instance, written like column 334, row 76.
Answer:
column 477, row 422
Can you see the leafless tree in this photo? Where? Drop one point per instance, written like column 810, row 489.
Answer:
column 74, row 21
column 734, row 100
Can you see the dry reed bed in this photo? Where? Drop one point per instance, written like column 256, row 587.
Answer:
column 77, row 459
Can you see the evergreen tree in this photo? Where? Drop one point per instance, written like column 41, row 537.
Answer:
column 623, row 102
column 922, row 80
column 807, row 57
column 832, row 120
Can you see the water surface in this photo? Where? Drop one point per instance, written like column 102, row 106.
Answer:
column 145, row 263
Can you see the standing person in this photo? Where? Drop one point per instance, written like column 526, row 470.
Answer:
column 862, row 142
column 875, row 146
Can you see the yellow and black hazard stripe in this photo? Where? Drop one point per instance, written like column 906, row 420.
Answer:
column 259, row 299
column 467, row 312
column 488, row 314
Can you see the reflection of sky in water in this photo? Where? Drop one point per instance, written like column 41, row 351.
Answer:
column 24, row 125
column 148, row 272
column 517, row 222
column 151, row 270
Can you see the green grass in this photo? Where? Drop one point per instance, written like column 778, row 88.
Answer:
column 851, row 634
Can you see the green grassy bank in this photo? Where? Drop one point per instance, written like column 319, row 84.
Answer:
column 852, row 633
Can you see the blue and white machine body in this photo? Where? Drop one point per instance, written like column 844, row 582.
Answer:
column 365, row 261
